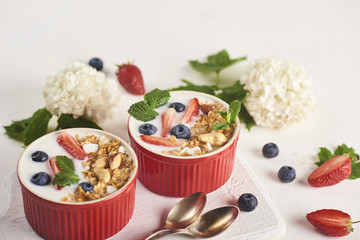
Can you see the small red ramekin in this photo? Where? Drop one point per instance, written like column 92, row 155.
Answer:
column 180, row 176
column 97, row 219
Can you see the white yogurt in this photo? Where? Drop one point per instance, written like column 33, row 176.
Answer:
column 183, row 97
column 27, row 167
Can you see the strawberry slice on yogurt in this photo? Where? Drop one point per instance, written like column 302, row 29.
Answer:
column 166, row 119
column 55, row 169
column 192, row 110
column 69, row 144
column 160, row 141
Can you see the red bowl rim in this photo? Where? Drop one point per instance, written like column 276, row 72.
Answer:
column 128, row 148
column 193, row 93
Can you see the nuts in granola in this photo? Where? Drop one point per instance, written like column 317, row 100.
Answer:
column 215, row 139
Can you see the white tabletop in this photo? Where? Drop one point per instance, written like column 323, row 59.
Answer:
column 39, row 38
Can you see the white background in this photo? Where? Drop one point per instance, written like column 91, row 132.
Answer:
column 38, row 38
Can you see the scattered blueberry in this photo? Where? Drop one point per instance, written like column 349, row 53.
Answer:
column 270, row 150
column 39, row 156
column 41, row 179
column 96, row 63
column 180, row 131
column 87, row 187
column 147, row 129
column 247, row 202
column 286, row 174
column 179, row 107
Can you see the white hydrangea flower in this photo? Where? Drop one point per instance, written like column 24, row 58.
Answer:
column 82, row 91
column 280, row 93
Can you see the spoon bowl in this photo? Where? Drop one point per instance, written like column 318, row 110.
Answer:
column 186, row 211
column 213, row 222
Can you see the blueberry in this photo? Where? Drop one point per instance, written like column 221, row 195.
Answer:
column 147, row 129
column 87, row 187
column 96, row 63
column 286, row 174
column 41, row 179
column 39, row 156
column 270, row 150
column 179, row 107
column 180, row 131
column 247, row 202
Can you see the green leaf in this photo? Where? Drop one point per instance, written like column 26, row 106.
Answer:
column 342, row 149
column 17, row 128
column 324, row 155
column 157, row 97
column 246, row 118
column 234, row 109
column 37, row 126
column 355, row 170
column 219, row 126
column 198, row 88
column 233, row 92
column 65, row 164
column 215, row 63
column 65, row 179
column 68, row 121
column 142, row 111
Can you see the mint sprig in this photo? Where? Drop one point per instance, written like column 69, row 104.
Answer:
column 325, row 154
column 216, row 63
column 30, row 129
column 144, row 110
column 230, row 116
column 67, row 176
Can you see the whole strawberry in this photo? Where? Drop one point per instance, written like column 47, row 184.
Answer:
column 130, row 78
column 331, row 222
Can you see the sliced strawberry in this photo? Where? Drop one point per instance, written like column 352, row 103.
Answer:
column 331, row 172
column 192, row 110
column 54, row 167
column 331, row 222
column 161, row 141
column 69, row 144
column 166, row 119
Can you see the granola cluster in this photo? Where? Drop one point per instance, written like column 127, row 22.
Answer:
column 108, row 169
column 204, row 138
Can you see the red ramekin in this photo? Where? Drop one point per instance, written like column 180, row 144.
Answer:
column 180, row 176
column 97, row 219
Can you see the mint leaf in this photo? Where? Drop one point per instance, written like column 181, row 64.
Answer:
column 230, row 116
column 37, row 126
column 157, row 97
column 233, row 92
column 215, row 63
column 65, row 164
column 246, row 118
column 220, row 126
column 198, row 88
column 142, row 111
column 324, row 155
column 234, row 109
column 65, row 179
column 68, row 121
column 17, row 128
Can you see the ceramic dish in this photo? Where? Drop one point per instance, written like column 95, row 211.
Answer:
column 180, row 176
column 58, row 219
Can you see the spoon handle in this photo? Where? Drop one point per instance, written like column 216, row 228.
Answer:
column 165, row 232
